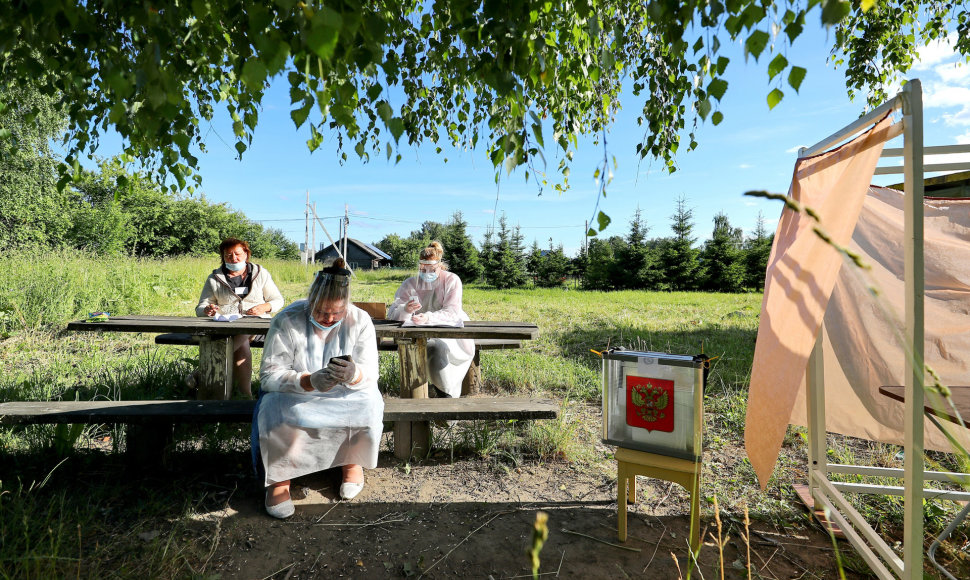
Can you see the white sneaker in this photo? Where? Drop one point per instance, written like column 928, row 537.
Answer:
column 350, row 490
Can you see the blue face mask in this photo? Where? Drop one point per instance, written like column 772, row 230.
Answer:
column 237, row 267
column 322, row 327
column 428, row 276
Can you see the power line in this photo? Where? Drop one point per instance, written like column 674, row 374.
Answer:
column 368, row 217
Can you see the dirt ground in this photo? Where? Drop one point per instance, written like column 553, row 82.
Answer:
column 448, row 518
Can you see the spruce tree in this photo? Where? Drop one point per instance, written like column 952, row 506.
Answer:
column 678, row 257
column 721, row 256
column 505, row 268
column 757, row 249
column 460, row 252
column 638, row 260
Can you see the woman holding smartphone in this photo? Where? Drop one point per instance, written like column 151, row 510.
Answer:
column 320, row 407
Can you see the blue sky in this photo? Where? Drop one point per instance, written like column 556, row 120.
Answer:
column 753, row 148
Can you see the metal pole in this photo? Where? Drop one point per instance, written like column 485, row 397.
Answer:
column 306, row 234
column 313, row 252
column 913, row 276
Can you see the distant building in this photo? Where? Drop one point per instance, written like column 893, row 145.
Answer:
column 359, row 255
column 951, row 185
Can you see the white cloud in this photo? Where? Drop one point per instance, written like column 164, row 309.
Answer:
column 934, row 53
column 944, row 95
column 745, row 166
column 957, row 73
column 795, row 149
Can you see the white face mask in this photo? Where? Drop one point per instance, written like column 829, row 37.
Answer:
column 322, row 327
column 237, row 267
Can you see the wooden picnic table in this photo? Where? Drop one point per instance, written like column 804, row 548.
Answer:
column 215, row 354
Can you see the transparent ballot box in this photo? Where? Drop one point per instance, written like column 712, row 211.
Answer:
column 653, row 401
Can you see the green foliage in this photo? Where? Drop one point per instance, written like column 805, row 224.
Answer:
column 29, row 121
column 460, row 252
column 678, row 256
column 504, row 259
column 514, row 76
column 757, row 249
column 638, row 258
column 112, row 211
column 721, row 257
column 549, row 268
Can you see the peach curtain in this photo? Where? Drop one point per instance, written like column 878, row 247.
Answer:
column 864, row 345
column 802, row 271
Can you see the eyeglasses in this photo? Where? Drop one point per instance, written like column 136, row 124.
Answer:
column 335, row 313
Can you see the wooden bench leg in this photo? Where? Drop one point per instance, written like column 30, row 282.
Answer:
column 148, row 444
column 621, row 494
column 472, row 382
column 215, row 358
column 412, row 439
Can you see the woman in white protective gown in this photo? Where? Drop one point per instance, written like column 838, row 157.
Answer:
column 433, row 297
column 318, row 411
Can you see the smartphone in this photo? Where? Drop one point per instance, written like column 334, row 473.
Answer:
column 342, row 357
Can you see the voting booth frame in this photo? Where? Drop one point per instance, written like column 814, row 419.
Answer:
column 826, row 494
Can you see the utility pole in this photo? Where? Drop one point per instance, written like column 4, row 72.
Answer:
column 346, row 223
column 586, row 238
column 306, row 234
column 313, row 254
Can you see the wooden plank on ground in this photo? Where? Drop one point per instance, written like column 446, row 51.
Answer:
column 241, row 411
column 809, row 502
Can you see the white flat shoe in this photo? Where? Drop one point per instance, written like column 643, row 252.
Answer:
column 280, row 510
column 350, row 490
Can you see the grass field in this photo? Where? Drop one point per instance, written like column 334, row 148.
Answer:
column 41, row 524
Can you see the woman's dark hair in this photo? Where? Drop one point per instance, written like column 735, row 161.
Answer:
column 230, row 243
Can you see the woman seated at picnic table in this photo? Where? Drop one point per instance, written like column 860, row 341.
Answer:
column 433, row 297
column 242, row 288
column 317, row 411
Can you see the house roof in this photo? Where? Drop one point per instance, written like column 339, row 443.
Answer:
column 367, row 248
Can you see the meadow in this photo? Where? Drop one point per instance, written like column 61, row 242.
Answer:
column 41, row 522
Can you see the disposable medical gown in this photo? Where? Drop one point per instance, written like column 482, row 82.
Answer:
column 448, row 358
column 303, row 432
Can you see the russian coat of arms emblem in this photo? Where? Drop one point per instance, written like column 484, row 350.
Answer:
column 650, row 403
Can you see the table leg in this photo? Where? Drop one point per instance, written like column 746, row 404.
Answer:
column 412, row 438
column 215, row 359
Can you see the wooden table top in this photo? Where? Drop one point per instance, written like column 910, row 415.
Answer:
column 255, row 325
column 935, row 405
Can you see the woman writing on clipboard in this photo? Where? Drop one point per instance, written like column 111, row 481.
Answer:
column 433, row 297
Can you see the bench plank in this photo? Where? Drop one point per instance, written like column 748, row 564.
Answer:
column 184, row 411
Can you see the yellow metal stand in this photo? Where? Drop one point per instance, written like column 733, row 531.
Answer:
column 631, row 463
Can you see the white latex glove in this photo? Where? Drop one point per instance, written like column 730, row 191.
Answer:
column 419, row 318
column 342, row 370
column 323, row 380
column 413, row 305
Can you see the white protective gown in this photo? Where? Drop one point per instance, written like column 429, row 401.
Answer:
column 448, row 358
column 303, row 432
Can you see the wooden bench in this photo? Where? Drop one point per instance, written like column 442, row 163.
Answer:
column 150, row 423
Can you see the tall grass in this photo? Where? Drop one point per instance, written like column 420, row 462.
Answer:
column 39, row 294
